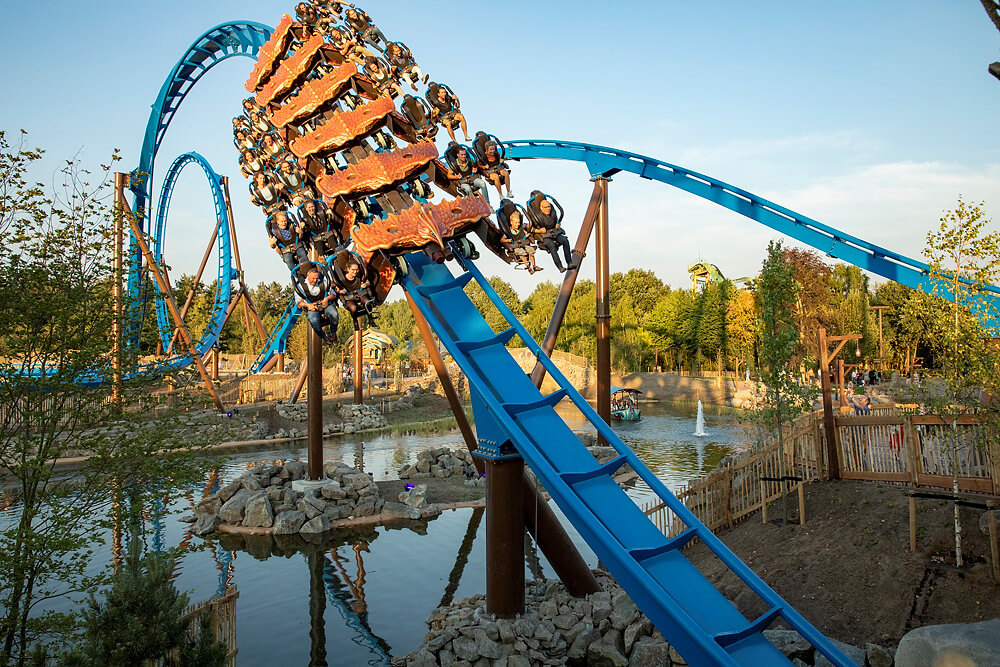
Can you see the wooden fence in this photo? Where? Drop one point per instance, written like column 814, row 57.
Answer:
column 223, row 611
column 907, row 448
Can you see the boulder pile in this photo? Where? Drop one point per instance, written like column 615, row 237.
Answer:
column 440, row 462
column 263, row 497
column 409, row 398
column 604, row 628
column 358, row 418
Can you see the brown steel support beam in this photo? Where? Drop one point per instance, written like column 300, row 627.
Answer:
column 215, row 363
column 359, row 387
column 569, row 281
column 194, row 285
column 603, row 313
column 299, row 383
column 281, row 363
column 504, row 538
column 168, row 296
column 314, row 398
column 249, row 310
column 832, row 451
column 117, row 301
column 539, row 519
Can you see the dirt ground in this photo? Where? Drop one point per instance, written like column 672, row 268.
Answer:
column 848, row 569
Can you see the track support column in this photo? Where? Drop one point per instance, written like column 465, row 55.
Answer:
column 359, row 385
column 603, row 312
column 117, row 300
column 504, row 537
column 314, row 401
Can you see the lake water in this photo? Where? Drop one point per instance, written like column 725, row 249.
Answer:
column 365, row 595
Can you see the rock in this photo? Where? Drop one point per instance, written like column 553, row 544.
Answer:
column 649, row 652
column 288, row 523
column 640, row 627
column 315, row 501
column 465, row 648
column 878, row 656
column 315, row 526
column 294, row 469
column 400, row 510
column 581, row 645
column 800, row 650
column 486, row 647
column 415, row 497
column 205, row 524
column 332, row 491
column 603, row 653
column 226, row 492
column 333, row 512
column 250, row 483
column 781, row 637
column 925, row 646
column 516, row 660
column 232, row 510
column 258, row 513
column 506, row 630
column 984, row 521
column 210, row 505
column 623, row 612
column 307, row 508
column 852, row 652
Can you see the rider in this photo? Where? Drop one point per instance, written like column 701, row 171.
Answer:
column 363, row 27
column 461, row 168
column 547, row 225
column 286, row 239
column 379, row 73
column 353, row 287
column 491, row 164
column 292, row 179
column 321, row 225
column 402, row 64
column 318, row 299
column 415, row 111
column 516, row 238
column 264, row 192
column 445, row 109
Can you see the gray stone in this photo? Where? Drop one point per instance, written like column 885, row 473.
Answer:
column 979, row 642
column 232, row 510
column 415, row 497
column 623, row 613
column 205, row 524
column 258, row 513
column 209, row 505
column 307, row 508
column 781, row 637
column 600, row 609
column 548, row 608
column 315, row 526
column 642, row 626
column 332, row 512
column 318, row 503
column 288, row 523
column 332, row 491
column 250, row 483
column 506, row 631
column 603, row 653
column 422, row 658
column 227, row 491
column 517, row 660
column 294, row 469
column 564, row 621
column 400, row 510
column 801, row 650
column 878, row 656
column 465, row 648
column 649, row 652
column 676, row 658
column 366, row 507
column 578, row 649
column 853, row 653
column 486, row 647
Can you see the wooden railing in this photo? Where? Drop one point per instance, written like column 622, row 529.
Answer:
column 911, row 449
column 223, row 611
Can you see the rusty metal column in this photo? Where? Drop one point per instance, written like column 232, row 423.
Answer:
column 504, row 538
column 314, row 405
column 215, row 363
column 117, row 301
column 280, row 367
column 359, row 386
column 314, row 400
column 299, row 383
column 569, row 282
column 833, row 467
column 603, row 313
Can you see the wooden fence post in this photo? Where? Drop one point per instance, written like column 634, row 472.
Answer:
column 802, row 504
column 729, row 497
column 912, row 448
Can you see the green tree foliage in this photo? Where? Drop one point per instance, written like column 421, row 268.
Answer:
column 141, row 619
column 56, row 324
column 489, row 311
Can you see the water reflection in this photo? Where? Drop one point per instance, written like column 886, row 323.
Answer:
column 365, row 595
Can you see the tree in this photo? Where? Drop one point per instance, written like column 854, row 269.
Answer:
column 489, row 311
column 963, row 260
column 814, row 303
column 742, row 327
column 55, row 328
column 786, row 396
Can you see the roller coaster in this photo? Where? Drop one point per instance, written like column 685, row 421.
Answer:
column 328, row 123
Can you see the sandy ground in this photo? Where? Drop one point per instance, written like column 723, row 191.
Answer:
column 848, row 570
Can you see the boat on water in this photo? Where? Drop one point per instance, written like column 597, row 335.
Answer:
column 625, row 404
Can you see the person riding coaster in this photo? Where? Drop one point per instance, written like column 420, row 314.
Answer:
column 462, row 168
column 251, row 165
column 546, row 216
column 267, row 194
column 445, row 109
column 344, row 42
column 364, row 28
column 287, row 238
column 418, row 114
column 491, row 164
column 316, row 294
column 402, row 65
column 292, row 179
column 380, row 74
column 517, row 238
column 321, row 225
column 353, row 285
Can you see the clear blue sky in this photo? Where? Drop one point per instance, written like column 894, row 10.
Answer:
column 872, row 117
